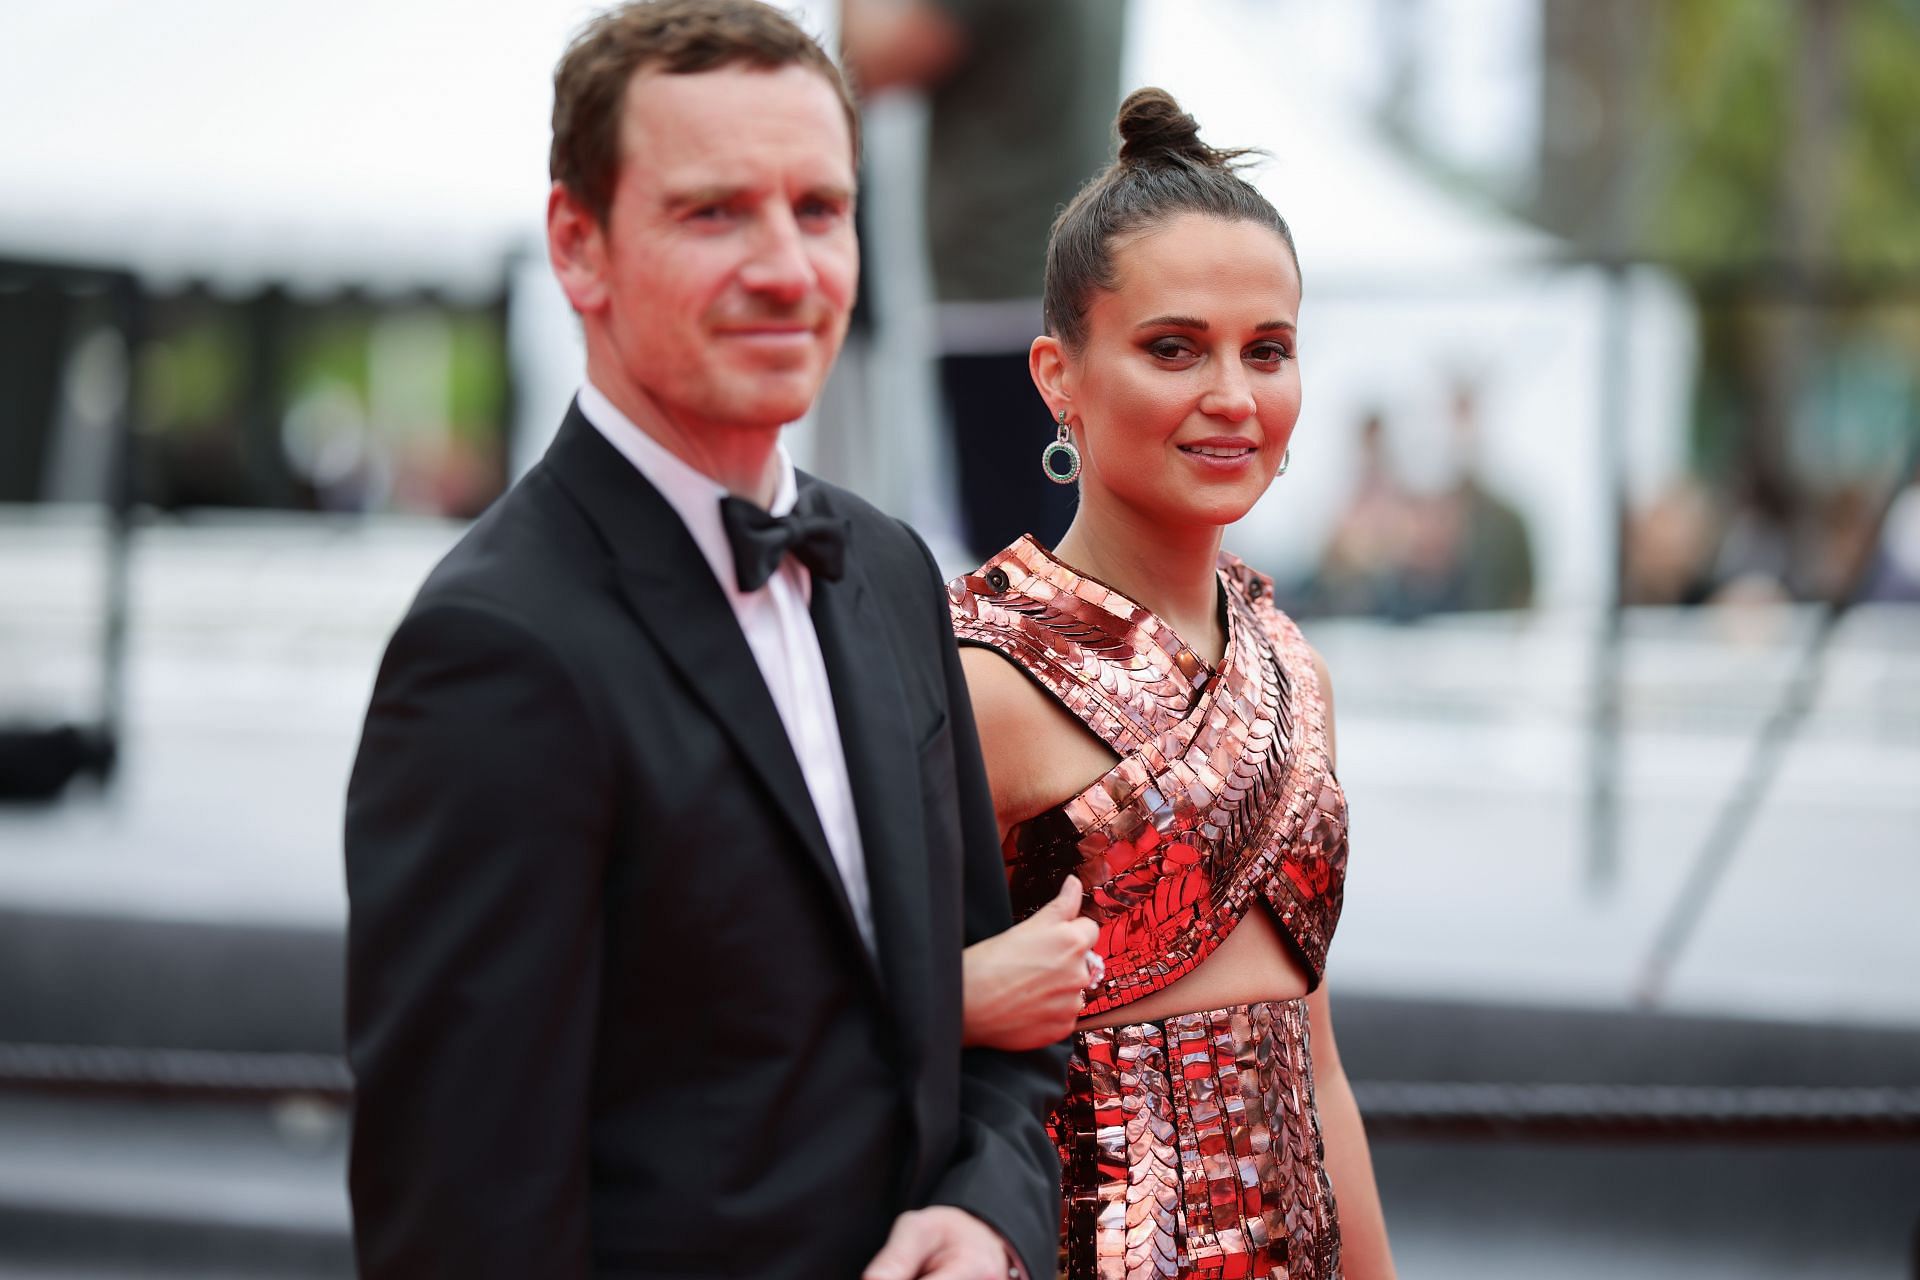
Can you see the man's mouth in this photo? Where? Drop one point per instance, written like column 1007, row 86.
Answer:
column 768, row 331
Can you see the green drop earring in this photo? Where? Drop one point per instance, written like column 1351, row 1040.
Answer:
column 1061, row 460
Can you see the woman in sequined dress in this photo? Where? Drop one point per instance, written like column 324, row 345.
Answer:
column 1159, row 741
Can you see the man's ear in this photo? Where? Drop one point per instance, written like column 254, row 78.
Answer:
column 577, row 248
column 1047, row 363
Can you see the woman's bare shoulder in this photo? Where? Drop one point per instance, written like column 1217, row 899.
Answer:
column 1000, row 690
column 1037, row 753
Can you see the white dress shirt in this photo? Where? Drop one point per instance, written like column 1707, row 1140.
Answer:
column 778, row 628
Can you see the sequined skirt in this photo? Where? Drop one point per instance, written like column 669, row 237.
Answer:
column 1191, row 1147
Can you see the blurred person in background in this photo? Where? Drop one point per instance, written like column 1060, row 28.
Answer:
column 1896, row 570
column 1670, row 546
column 1851, row 543
column 1019, row 95
column 669, row 824
column 1159, row 741
column 1363, row 568
column 1755, row 561
column 1400, row 554
column 1491, row 558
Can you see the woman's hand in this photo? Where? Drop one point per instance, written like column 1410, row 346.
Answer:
column 1023, row 987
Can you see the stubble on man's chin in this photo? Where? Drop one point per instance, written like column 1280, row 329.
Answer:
column 767, row 412
column 782, row 397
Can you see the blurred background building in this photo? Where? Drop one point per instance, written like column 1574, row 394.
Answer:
column 1604, row 509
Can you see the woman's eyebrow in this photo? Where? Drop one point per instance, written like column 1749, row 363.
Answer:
column 1173, row 322
column 1196, row 323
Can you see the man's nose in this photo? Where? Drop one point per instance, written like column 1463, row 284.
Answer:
column 778, row 266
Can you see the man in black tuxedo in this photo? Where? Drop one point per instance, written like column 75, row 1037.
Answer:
column 669, row 825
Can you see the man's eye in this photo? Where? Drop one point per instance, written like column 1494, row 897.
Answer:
column 817, row 210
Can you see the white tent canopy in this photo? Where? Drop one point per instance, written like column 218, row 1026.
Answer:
column 368, row 142
column 1247, row 70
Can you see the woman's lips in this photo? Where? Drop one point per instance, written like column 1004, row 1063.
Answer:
column 1221, row 455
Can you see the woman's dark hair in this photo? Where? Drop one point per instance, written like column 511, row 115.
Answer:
column 1163, row 170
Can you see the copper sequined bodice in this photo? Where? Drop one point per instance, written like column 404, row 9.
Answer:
column 1223, row 795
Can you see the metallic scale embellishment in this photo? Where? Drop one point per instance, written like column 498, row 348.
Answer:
column 1192, row 1147
column 1189, row 1147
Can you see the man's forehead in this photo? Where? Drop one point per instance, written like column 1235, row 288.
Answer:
column 790, row 110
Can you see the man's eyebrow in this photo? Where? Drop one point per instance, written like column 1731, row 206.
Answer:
column 693, row 197
column 678, row 202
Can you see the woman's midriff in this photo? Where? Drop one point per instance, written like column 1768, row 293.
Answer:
column 1251, row 965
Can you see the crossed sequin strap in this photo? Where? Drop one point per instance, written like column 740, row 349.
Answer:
column 1223, row 793
column 1117, row 667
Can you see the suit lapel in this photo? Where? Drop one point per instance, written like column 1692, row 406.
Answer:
column 883, row 765
column 670, row 589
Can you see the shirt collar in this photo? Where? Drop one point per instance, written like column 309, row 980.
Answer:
column 693, row 494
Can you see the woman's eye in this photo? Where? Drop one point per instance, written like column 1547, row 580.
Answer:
column 1170, row 349
column 1269, row 353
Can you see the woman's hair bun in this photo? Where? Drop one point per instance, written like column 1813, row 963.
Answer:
column 1154, row 131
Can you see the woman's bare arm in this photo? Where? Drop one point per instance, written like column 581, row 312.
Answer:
column 1022, row 987
column 1363, row 1225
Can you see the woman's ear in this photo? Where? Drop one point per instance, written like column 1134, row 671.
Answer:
column 1047, row 363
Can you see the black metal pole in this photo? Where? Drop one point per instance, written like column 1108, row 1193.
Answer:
column 130, row 314
column 1603, row 793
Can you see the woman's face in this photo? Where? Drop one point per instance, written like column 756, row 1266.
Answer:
column 1188, row 387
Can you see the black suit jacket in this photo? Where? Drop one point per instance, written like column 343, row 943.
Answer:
column 608, row 1009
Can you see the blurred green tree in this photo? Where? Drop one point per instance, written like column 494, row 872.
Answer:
column 1770, row 151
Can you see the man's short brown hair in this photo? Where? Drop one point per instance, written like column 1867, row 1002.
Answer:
column 679, row 37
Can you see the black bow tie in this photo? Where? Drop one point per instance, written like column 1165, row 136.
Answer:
column 760, row 539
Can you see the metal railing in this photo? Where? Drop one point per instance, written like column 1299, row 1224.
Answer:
column 1393, row 1109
